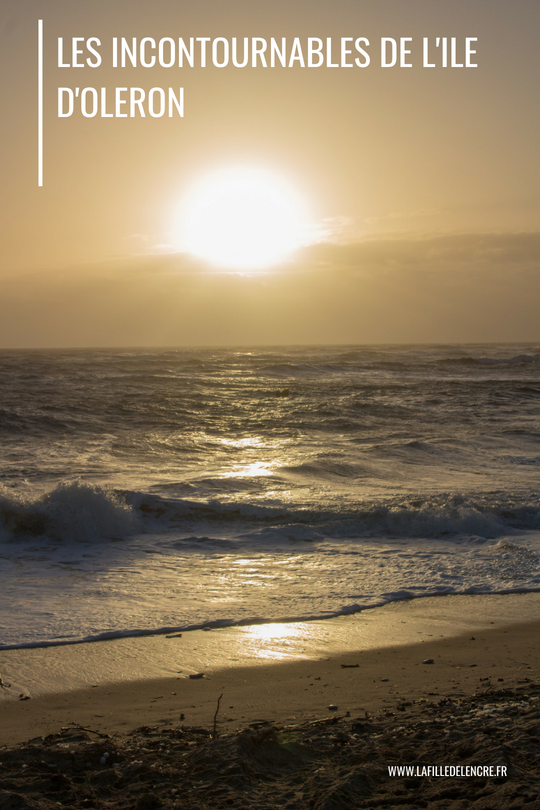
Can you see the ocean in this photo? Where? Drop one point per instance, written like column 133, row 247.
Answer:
column 149, row 491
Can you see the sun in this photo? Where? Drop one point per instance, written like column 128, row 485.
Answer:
column 242, row 218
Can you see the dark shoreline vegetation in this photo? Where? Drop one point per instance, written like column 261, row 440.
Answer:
column 335, row 763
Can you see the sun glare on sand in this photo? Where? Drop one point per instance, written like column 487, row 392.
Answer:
column 243, row 218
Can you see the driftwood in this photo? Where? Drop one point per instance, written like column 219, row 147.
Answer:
column 84, row 728
column 214, row 733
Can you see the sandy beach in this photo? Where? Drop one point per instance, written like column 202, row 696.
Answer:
column 304, row 732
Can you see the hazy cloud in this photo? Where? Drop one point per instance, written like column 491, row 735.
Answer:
column 460, row 288
column 407, row 215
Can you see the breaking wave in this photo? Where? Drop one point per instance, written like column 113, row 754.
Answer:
column 72, row 511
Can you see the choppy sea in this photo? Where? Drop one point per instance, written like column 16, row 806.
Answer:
column 157, row 490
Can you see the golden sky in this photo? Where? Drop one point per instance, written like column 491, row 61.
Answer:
column 422, row 184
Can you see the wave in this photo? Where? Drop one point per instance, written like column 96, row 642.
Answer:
column 79, row 512
column 217, row 624
column 328, row 470
column 487, row 516
column 443, row 518
column 484, row 360
column 72, row 511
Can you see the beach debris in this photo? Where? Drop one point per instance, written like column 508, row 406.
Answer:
column 85, row 728
column 3, row 684
column 335, row 763
column 385, row 680
column 196, row 675
column 332, row 707
column 24, row 697
column 428, row 661
column 347, row 666
column 214, row 731
column 401, row 707
column 149, row 801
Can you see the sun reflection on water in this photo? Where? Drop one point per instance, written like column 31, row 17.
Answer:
column 251, row 470
column 250, row 441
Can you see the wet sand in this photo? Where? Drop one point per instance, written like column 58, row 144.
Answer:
column 55, row 670
column 354, row 682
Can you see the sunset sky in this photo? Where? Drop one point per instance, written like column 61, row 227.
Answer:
column 418, row 187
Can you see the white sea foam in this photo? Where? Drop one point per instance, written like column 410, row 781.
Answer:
column 483, row 515
column 73, row 511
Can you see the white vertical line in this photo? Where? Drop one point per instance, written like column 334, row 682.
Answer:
column 40, row 102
